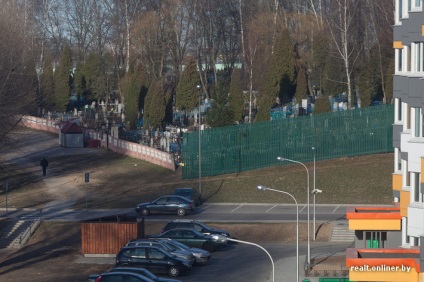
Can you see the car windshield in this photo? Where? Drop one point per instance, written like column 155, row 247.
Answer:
column 169, row 247
column 204, row 226
column 143, row 272
column 178, row 244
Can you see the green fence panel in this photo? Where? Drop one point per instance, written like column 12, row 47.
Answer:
column 333, row 279
column 251, row 146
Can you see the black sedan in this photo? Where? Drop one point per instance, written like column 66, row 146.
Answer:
column 195, row 239
column 189, row 193
column 166, row 204
column 152, row 258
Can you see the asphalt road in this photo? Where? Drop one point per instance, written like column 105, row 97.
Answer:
column 207, row 212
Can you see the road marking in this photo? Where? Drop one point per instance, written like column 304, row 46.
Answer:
column 271, row 208
column 205, row 208
column 302, row 209
column 237, row 208
column 336, row 208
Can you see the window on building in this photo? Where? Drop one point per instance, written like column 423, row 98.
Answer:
column 398, row 110
column 416, row 5
column 398, row 60
column 417, row 56
column 408, row 117
column 375, row 239
column 398, row 11
column 417, row 125
column 408, row 58
column 415, row 187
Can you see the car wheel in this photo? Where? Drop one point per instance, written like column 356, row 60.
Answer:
column 181, row 212
column 145, row 211
column 174, row 271
column 208, row 247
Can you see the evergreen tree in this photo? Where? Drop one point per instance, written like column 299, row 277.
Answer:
column 301, row 87
column 369, row 82
column 280, row 78
column 220, row 114
column 130, row 92
column 157, row 105
column 134, row 87
column 333, row 81
column 63, row 80
column 80, row 83
column 366, row 85
column 320, row 54
column 236, row 96
column 47, row 85
column 187, row 92
column 144, row 82
column 322, row 105
column 95, row 75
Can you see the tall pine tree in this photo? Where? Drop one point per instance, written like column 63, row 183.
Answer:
column 220, row 114
column 47, row 85
column 280, row 77
column 301, row 87
column 236, row 96
column 63, row 80
column 157, row 105
column 187, row 97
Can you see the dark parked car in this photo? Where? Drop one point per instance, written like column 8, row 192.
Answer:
column 144, row 272
column 166, row 204
column 154, row 259
column 201, row 256
column 119, row 277
column 189, row 193
column 193, row 224
column 194, row 238
column 170, row 249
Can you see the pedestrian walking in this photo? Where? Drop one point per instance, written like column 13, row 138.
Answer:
column 44, row 164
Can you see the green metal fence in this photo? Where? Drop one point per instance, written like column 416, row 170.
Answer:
column 251, row 146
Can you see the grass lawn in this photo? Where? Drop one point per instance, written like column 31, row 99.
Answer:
column 118, row 181
column 359, row 180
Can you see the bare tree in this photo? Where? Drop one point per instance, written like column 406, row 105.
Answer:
column 17, row 68
column 79, row 16
column 381, row 20
column 340, row 28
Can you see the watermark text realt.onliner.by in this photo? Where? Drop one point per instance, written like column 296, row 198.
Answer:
column 382, row 267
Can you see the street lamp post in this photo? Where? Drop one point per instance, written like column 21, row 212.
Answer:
column 260, row 247
column 200, row 141
column 314, row 192
column 308, row 257
column 264, row 188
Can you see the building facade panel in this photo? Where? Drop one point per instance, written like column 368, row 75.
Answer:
column 416, row 219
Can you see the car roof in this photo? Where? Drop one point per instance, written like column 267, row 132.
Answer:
column 184, row 188
column 128, row 273
column 182, row 229
column 183, row 220
column 178, row 196
column 139, row 247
